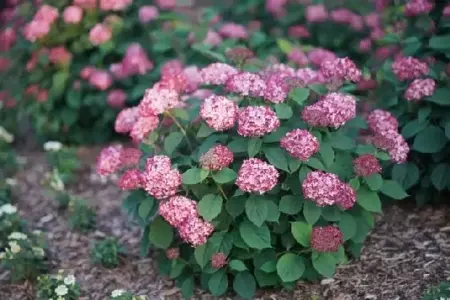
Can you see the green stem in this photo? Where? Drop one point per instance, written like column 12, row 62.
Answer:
column 219, row 187
column 183, row 131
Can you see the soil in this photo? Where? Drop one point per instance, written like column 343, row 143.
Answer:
column 407, row 252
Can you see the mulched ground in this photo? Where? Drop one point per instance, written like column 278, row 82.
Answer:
column 408, row 251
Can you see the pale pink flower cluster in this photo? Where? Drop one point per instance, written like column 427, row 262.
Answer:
column 256, row 121
column 216, row 158
column 143, row 126
column 41, row 23
column 418, row 7
column 246, row 84
column 181, row 213
column 126, row 119
column 109, row 160
column 100, row 34
column 316, row 13
column 257, row 176
column 332, row 110
column 277, row 68
column 217, row 73
column 148, row 13
column 298, row 57
column 171, row 67
column 308, row 76
column 157, row 100
column 100, row 79
column 340, row 69
column 218, row 260
column 275, row 7
column 380, row 120
column 59, row 55
column 326, row 239
column 116, row 98
column 233, row 31
column 420, row 88
column 166, row 4
column 115, row 5
column 326, row 189
column 73, row 14
column 159, row 179
column 130, row 180
column 408, row 68
column 277, row 87
column 300, row 144
column 135, row 62
column 176, row 82
column 366, row 165
column 319, row 55
column 219, row 112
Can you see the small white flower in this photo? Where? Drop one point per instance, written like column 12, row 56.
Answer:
column 53, row 146
column 60, row 298
column 37, row 232
column 2, row 255
column 14, row 246
column 8, row 209
column 38, row 251
column 61, row 290
column 11, row 181
column 69, row 280
column 56, row 182
column 117, row 293
column 17, row 236
column 6, row 136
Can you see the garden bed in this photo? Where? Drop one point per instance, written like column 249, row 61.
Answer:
column 408, row 250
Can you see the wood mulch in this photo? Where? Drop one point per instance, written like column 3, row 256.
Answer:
column 408, row 251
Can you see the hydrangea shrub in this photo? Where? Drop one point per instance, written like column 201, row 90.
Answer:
column 57, row 287
column 415, row 89
column 255, row 184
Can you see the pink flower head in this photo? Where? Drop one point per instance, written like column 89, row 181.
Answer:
column 143, row 126
column 130, row 180
column 217, row 73
column 173, row 253
column 340, row 69
column 346, row 196
column 126, row 119
column 321, row 188
column 298, row 57
column 42, row 96
column 247, row 84
column 36, row 30
column 277, row 88
column 178, row 82
column 100, row 34
column 101, row 80
column 326, row 239
column 86, row 4
column 135, row 61
column 380, row 121
column 115, row 5
column 308, row 76
column 341, row 15
column 316, row 13
column 166, row 4
column 109, row 160
column 158, row 163
column 196, row 231
column 7, row 38
column 172, row 67
column 218, row 260
column 318, row 55
column 212, row 38
column 298, row 31
column 217, row 158
column 300, row 144
column 130, row 157
column 116, row 98
column 446, row 11
column 193, row 77
column 219, row 112
column 257, row 176
column 233, row 31
column 366, row 165
column 420, row 88
column 418, row 7
column 73, row 14
column 157, row 100
column 365, row 45
column 408, row 68
column 372, row 20
column 46, row 13
column 257, row 121
column 177, row 210
column 86, row 72
column 160, row 180
column 239, row 54
column 333, row 110
column 59, row 55
column 356, row 22
column 148, row 13
column 394, row 143
column 283, row 69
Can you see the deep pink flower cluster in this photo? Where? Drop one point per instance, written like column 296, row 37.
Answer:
column 340, row 69
column 130, row 157
column 420, row 88
column 143, row 126
column 126, row 119
column 300, row 144
column 116, row 98
column 366, row 165
column 109, row 160
column 298, row 31
column 148, row 13
column 319, row 55
column 135, row 62
column 327, row 189
column 218, row 260
column 216, row 158
column 257, row 121
column 257, row 176
column 86, row 4
column 159, row 179
column 59, row 55
column 7, row 38
column 332, row 110
column 217, row 73
column 298, row 57
column 181, row 213
column 73, row 14
column 157, row 100
column 41, row 23
column 408, row 68
column 100, row 79
column 380, row 120
column 309, row 76
column 100, row 34
column 446, row 11
column 219, row 112
column 130, row 180
column 277, row 87
column 246, row 84
column 418, row 7
column 173, row 253
column 233, row 31
column 326, row 239
column 115, row 5
column 166, row 4
column 316, row 13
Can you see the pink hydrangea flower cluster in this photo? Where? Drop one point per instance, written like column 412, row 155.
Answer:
column 100, row 79
column 59, row 55
column 446, row 11
column 86, row 4
column 257, row 176
column 319, row 55
column 219, row 112
column 109, row 160
column 420, row 88
column 408, row 68
column 257, row 121
column 316, row 13
column 332, row 110
column 246, row 84
column 298, row 57
column 100, row 34
column 218, row 260
column 159, row 179
column 157, row 100
column 126, row 119
column 340, row 69
column 41, row 23
column 217, row 73
column 418, row 7
column 115, row 5
column 326, row 189
column 216, row 158
column 7, row 38
column 309, row 76
column 73, row 14
column 166, row 4
column 300, row 144
column 181, row 213
column 116, row 98
column 233, row 31
column 326, row 239
column 298, row 31
column 212, row 38
column 148, row 13
column 366, row 165
column 239, row 54
column 173, row 253
column 143, row 126
column 135, row 62
column 277, row 87
column 130, row 157
column 130, row 180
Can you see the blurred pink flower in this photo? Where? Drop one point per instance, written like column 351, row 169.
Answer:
column 316, row 13
column 100, row 79
column 100, row 34
column 298, row 31
column 115, row 5
column 7, row 38
column 148, row 13
column 59, row 55
column 73, row 14
column 234, row 31
column 166, row 4
column 117, row 98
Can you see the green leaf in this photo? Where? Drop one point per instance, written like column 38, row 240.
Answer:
column 194, row 176
column 430, row 140
column 331, row 213
column 283, row 111
column 254, row 236
column 324, row 263
column 254, row 146
column 238, row 145
column 161, row 233
column 256, row 209
column 311, row 212
column 236, row 205
column 355, row 183
column 202, row 255
column 290, row 267
column 187, row 287
column 277, row 157
column 291, row 205
column 59, row 82
column 440, row 176
column 302, row 233
column 237, row 265
column 347, row 225
column 270, row 266
column 441, row 96
column 392, row 189
column 202, row 49
column 368, row 199
column 284, row 45
column 244, row 285
column 412, row 128
column 172, row 142
column 406, row 174
column 274, row 214
column 177, row 268
column 145, row 208
column 327, row 154
column 440, row 42
column 299, row 95
column 224, row 176
column 218, row 283
column 315, row 163
column 374, row 182
column 204, row 131
column 266, row 279
column 210, row 206
column 342, row 142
